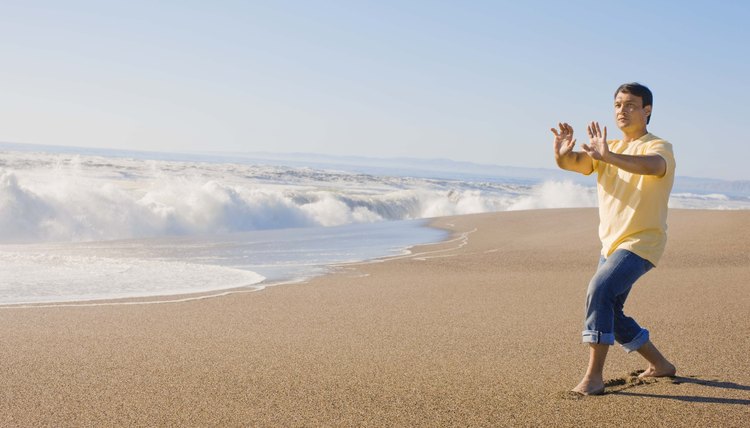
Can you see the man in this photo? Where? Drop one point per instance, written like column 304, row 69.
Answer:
column 634, row 179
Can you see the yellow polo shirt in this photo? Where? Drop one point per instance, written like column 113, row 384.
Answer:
column 633, row 207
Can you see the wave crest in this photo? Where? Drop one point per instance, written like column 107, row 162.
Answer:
column 53, row 198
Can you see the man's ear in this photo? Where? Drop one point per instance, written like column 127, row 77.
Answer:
column 647, row 109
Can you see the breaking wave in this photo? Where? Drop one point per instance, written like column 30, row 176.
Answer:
column 99, row 199
column 53, row 197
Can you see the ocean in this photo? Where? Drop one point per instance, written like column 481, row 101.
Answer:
column 89, row 225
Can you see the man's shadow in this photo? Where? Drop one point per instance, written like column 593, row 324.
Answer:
column 691, row 398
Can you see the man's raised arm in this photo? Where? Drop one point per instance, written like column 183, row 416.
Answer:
column 641, row 164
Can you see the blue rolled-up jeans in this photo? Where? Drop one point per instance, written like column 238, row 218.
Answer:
column 605, row 321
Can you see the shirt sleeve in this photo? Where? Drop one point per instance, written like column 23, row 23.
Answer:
column 663, row 149
column 595, row 164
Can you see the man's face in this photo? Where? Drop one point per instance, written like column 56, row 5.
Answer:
column 630, row 113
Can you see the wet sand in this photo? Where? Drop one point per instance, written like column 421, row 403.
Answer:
column 482, row 330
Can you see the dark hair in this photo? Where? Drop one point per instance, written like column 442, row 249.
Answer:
column 638, row 90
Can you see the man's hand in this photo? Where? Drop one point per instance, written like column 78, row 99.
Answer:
column 597, row 147
column 565, row 157
column 564, row 141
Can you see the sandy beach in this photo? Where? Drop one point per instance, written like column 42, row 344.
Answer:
column 481, row 330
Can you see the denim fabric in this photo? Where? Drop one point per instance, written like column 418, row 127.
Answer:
column 605, row 321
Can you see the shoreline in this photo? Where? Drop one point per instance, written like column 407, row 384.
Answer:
column 480, row 332
column 294, row 276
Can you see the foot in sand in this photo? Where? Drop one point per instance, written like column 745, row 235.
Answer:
column 666, row 370
column 590, row 386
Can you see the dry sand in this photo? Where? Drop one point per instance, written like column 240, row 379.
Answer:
column 483, row 330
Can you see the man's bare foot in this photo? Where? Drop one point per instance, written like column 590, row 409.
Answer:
column 667, row 370
column 590, row 386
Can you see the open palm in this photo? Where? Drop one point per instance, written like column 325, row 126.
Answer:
column 564, row 141
column 597, row 147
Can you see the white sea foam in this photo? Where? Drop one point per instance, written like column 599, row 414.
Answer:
column 43, row 276
column 711, row 201
column 65, row 272
column 554, row 194
column 62, row 197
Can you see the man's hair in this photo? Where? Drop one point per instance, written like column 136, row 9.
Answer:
column 638, row 90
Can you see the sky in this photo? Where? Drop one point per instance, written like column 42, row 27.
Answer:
column 477, row 81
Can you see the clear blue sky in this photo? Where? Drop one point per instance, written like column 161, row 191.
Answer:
column 479, row 81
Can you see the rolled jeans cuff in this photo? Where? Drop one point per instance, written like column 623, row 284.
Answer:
column 639, row 340
column 593, row 336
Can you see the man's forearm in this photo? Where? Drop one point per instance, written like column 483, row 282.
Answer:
column 643, row 165
column 575, row 161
